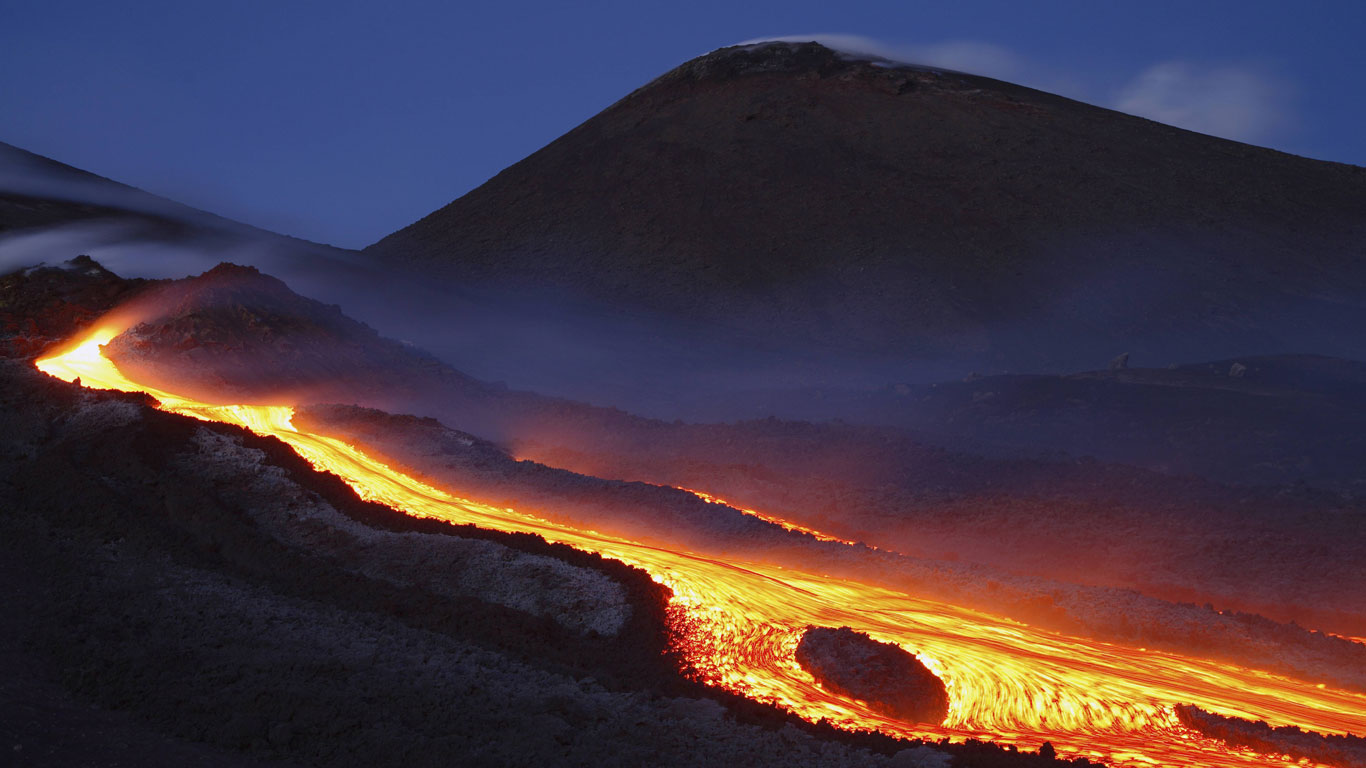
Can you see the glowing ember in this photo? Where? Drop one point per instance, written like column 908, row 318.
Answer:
column 1007, row 681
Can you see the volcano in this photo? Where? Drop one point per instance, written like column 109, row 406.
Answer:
column 242, row 525
column 866, row 216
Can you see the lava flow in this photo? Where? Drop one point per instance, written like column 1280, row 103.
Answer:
column 1007, row 682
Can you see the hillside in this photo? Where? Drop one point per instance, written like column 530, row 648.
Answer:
column 767, row 200
column 51, row 213
column 37, row 191
column 762, row 419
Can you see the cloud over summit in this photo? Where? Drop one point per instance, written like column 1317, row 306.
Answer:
column 974, row 56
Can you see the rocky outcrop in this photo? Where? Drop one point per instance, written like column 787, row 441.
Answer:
column 43, row 305
column 888, row 678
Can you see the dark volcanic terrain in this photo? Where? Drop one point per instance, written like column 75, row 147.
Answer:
column 168, row 571
column 891, row 679
column 818, row 247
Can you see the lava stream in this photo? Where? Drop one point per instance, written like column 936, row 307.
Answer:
column 1007, row 681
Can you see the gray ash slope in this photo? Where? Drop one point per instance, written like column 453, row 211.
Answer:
column 785, row 199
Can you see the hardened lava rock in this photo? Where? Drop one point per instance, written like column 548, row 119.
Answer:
column 888, row 678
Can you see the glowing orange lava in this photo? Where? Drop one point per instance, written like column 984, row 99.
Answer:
column 1008, row 682
column 786, row 525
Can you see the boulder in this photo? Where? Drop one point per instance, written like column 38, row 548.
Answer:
column 886, row 677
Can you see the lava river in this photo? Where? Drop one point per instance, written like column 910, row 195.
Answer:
column 1007, row 681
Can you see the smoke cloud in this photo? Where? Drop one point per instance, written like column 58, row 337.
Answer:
column 970, row 56
column 24, row 173
column 965, row 55
column 1230, row 102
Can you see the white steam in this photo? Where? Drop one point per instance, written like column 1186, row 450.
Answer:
column 971, row 56
column 24, row 173
column 1230, row 102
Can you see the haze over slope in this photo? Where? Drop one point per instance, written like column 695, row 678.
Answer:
column 785, row 200
column 51, row 212
column 37, row 193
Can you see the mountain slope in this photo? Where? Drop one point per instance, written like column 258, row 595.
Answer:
column 857, row 210
column 52, row 213
column 37, row 191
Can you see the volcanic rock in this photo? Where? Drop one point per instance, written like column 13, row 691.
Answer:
column 42, row 306
column 891, row 680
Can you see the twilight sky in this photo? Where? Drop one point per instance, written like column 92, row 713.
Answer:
column 342, row 121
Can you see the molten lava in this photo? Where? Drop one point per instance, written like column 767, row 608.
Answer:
column 1007, row 682
column 786, row 525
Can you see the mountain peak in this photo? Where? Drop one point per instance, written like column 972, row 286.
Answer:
column 771, row 57
column 800, row 60
column 227, row 269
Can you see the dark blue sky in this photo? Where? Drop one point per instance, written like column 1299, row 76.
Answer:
column 342, row 121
